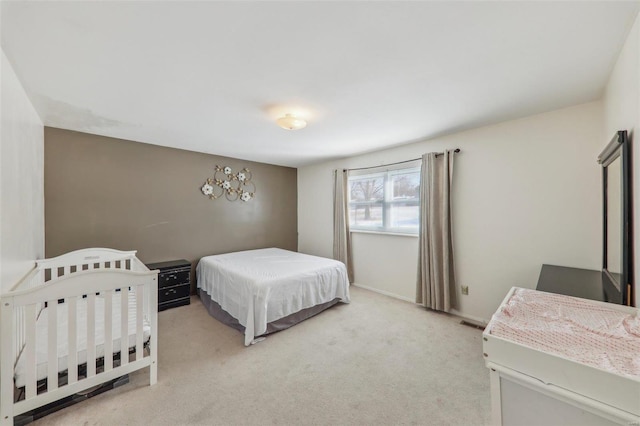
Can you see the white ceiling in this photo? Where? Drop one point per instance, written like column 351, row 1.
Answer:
column 213, row 76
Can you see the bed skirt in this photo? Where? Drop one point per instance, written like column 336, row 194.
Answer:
column 216, row 311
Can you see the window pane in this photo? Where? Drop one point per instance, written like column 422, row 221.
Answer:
column 369, row 188
column 406, row 185
column 404, row 215
column 365, row 215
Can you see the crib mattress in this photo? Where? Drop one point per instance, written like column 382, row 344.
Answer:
column 586, row 347
column 81, row 334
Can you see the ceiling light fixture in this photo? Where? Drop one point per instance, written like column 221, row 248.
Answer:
column 291, row 122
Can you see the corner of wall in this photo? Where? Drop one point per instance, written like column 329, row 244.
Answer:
column 21, row 179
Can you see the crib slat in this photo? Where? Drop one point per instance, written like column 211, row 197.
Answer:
column 91, row 335
column 124, row 326
column 20, row 328
column 139, row 319
column 108, row 332
column 152, row 311
column 52, row 350
column 72, row 358
column 54, row 273
column 30, row 351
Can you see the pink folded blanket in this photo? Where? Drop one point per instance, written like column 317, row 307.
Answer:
column 578, row 329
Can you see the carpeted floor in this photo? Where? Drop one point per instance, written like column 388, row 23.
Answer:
column 376, row 361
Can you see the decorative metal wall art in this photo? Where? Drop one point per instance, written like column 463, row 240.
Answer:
column 233, row 186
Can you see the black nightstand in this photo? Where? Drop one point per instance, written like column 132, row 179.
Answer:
column 174, row 283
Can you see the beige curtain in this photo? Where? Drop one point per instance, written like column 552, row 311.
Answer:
column 436, row 278
column 341, row 234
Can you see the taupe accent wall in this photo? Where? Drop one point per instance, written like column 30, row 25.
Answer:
column 106, row 192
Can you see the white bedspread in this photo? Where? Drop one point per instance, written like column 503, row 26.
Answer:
column 260, row 286
column 81, row 334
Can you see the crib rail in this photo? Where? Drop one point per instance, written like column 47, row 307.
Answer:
column 87, row 259
column 118, row 280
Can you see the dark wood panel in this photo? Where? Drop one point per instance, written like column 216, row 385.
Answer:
column 585, row 283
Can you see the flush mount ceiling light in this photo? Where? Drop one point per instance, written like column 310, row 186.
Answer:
column 291, row 122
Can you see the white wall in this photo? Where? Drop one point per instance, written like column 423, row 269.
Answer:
column 21, row 180
column 621, row 107
column 526, row 192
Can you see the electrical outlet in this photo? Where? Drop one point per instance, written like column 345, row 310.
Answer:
column 465, row 289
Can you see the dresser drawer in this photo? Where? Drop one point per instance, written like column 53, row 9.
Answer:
column 174, row 303
column 172, row 278
column 170, row 293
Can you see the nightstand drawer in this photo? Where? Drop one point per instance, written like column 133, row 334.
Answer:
column 172, row 278
column 174, row 303
column 171, row 293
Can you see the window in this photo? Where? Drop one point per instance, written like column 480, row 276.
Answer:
column 386, row 201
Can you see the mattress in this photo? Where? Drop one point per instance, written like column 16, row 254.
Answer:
column 81, row 334
column 586, row 347
column 258, row 287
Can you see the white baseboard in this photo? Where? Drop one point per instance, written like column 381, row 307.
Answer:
column 476, row 320
column 386, row 293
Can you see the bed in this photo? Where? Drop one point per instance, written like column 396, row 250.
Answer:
column 266, row 290
column 557, row 359
column 62, row 327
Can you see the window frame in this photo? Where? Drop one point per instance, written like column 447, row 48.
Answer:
column 387, row 202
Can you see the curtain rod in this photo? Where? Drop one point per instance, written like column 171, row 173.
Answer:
column 400, row 162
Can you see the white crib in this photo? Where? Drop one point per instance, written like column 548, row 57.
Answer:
column 106, row 298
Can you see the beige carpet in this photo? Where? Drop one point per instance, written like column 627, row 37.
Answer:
column 376, row 361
